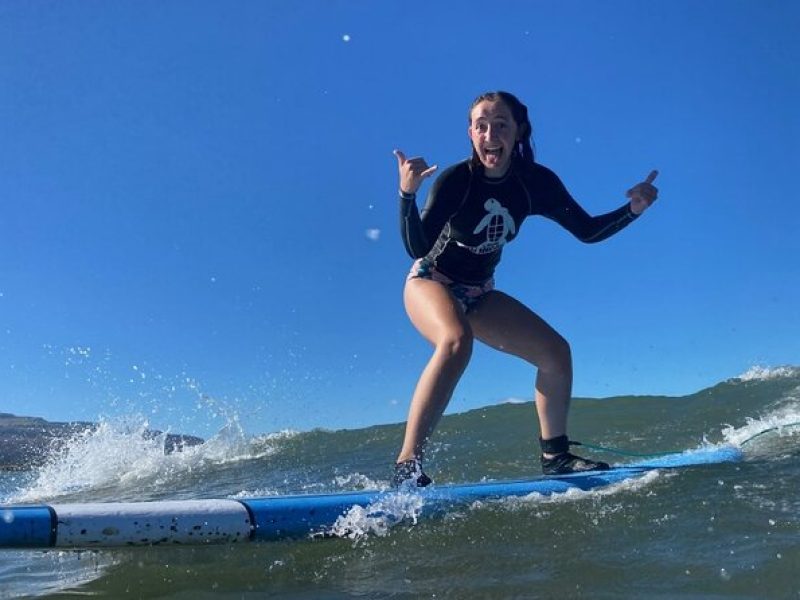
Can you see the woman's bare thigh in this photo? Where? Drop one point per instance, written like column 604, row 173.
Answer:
column 506, row 324
column 433, row 310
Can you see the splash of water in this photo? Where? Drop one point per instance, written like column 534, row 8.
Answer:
column 123, row 454
column 379, row 517
column 783, row 422
column 358, row 481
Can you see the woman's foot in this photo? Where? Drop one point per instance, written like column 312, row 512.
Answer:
column 565, row 463
column 409, row 473
column 557, row 460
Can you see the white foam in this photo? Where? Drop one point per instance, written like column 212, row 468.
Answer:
column 121, row 453
column 760, row 373
column 634, row 484
column 785, row 421
column 277, row 436
column 358, row 481
column 379, row 517
column 257, row 493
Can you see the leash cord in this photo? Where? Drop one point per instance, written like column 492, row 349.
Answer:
column 656, row 454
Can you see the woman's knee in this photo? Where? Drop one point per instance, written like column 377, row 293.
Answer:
column 557, row 356
column 455, row 345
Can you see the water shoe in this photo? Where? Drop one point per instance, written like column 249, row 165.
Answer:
column 409, row 473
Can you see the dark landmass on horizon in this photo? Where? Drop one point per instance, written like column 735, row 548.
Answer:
column 27, row 442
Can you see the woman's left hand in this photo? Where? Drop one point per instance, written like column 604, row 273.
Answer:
column 642, row 195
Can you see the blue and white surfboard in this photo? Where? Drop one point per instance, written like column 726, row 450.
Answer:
column 281, row 517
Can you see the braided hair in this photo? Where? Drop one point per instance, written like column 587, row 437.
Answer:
column 524, row 148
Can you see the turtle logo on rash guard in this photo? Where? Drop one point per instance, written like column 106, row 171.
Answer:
column 498, row 224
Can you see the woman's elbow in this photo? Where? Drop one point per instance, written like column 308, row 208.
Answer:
column 416, row 247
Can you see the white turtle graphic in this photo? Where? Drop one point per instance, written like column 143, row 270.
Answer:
column 498, row 224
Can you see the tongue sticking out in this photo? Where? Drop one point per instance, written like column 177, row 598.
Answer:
column 493, row 155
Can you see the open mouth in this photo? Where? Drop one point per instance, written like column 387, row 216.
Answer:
column 493, row 153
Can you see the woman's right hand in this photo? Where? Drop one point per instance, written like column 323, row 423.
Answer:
column 412, row 172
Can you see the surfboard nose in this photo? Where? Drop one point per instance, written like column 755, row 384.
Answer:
column 27, row 527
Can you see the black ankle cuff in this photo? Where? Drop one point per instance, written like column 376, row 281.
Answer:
column 556, row 445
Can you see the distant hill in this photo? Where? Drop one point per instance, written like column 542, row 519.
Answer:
column 25, row 442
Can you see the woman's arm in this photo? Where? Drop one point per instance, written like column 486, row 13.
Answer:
column 421, row 230
column 562, row 208
column 412, row 172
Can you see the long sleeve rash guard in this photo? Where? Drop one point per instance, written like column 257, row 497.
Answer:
column 468, row 217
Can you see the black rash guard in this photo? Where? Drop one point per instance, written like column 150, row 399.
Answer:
column 469, row 217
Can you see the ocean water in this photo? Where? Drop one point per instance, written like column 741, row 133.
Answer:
column 718, row 531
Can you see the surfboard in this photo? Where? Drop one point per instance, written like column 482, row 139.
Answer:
column 228, row 521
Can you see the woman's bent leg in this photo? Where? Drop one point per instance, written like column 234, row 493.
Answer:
column 441, row 320
column 508, row 325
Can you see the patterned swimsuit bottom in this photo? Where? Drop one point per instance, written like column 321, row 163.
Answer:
column 466, row 294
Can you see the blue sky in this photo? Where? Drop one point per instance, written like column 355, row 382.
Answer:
column 199, row 216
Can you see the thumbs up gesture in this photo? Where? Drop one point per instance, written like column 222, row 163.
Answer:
column 412, row 172
column 642, row 195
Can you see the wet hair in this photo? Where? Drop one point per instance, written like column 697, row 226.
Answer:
column 519, row 112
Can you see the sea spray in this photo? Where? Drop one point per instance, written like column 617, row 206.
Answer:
column 779, row 419
column 121, row 458
column 379, row 517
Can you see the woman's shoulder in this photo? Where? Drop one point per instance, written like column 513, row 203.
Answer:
column 540, row 178
column 538, row 172
column 461, row 169
column 453, row 177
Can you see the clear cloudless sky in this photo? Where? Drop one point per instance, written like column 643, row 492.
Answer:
column 199, row 218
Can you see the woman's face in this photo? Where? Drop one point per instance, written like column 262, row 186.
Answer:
column 493, row 132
